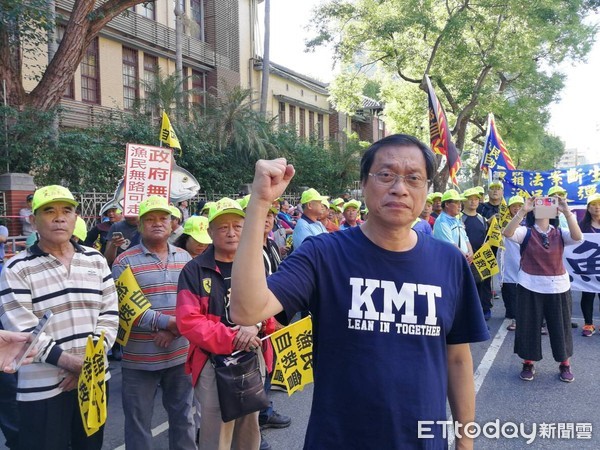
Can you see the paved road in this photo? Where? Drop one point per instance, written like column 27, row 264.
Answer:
column 501, row 396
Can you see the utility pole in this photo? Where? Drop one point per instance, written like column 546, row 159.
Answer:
column 266, row 63
column 179, row 54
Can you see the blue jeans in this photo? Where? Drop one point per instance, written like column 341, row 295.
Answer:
column 139, row 390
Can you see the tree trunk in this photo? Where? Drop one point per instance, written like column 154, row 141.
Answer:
column 10, row 64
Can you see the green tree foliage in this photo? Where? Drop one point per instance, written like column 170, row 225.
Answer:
column 484, row 56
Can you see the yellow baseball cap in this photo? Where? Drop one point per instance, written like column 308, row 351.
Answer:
column 244, row 201
column 154, row 203
column 556, row 190
column 480, row 189
column 175, row 211
column 197, row 227
column 337, row 202
column 515, row 200
column 472, row 191
column 207, row 207
column 310, row 195
column 496, row 183
column 225, row 206
column 593, row 198
column 452, row 194
column 436, row 195
column 351, row 204
column 80, row 230
column 50, row 194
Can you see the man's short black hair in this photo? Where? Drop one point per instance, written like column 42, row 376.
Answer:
column 396, row 140
column 30, row 198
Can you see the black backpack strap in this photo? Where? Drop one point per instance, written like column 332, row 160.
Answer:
column 525, row 241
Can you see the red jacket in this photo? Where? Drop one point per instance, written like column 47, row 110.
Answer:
column 201, row 317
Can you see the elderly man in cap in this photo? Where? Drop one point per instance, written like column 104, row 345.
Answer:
column 374, row 308
column 155, row 353
column 203, row 317
column 176, row 228
column 436, row 207
column 350, row 212
column 308, row 224
column 56, row 274
column 449, row 227
column 495, row 196
column 476, row 229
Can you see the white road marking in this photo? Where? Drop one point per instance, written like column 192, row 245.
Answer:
column 484, row 367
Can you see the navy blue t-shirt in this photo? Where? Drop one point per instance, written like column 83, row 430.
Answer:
column 381, row 323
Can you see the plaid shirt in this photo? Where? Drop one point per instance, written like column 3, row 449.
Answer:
column 159, row 285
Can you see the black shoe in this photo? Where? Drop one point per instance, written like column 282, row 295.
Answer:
column 275, row 420
column 264, row 444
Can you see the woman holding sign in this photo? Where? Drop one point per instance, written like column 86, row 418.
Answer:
column 543, row 284
column 590, row 224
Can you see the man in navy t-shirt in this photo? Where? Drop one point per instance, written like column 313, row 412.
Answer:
column 391, row 328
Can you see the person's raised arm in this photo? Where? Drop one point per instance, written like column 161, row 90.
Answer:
column 518, row 218
column 251, row 299
column 574, row 229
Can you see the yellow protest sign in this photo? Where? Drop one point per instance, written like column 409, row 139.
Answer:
column 167, row 133
column 293, row 346
column 277, row 377
column 494, row 234
column 132, row 303
column 485, row 262
column 504, row 214
column 91, row 386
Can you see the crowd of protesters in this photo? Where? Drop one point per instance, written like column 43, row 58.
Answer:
column 185, row 265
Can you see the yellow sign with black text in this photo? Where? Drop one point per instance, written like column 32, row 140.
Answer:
column 167, row 133
column 293, row 346
column 485, row 262
column 91, row 386
column 132, row 303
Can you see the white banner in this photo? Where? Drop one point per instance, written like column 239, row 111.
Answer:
column 582, row 261
column 147, row 172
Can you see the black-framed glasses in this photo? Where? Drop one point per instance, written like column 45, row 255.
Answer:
column 545, row 240
column 387, row 178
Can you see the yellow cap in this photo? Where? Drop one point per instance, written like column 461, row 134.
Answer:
column 244, row 201
column 497, row 183
column 472, row 191
column 351, row 204
column 207, row 207
column 515, row 200
column 154, row 203
column 50, row 194
column 310, row 195
column 451, row 194
column 436, row 195
column 480, row 189
column 556, row 190
column 175, row 211
column 337, row 202
column 225, row 206
column 80, row 230
column 593, row 198
column 197, row 227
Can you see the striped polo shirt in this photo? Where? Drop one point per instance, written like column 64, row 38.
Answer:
column 83, row 300
column 159, row 285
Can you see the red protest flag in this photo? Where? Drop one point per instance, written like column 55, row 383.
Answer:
column 439, row 131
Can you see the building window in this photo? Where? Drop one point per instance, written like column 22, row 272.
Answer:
column 90, row 74
column 147, row 10
column 292, row 115
column 198, row 88
column 197, row 7
column 130, row 78
column 70, row 91
column 320, row 126
column 302, row 122
column 150, row 78
column 281, row 113
column 311, row 122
